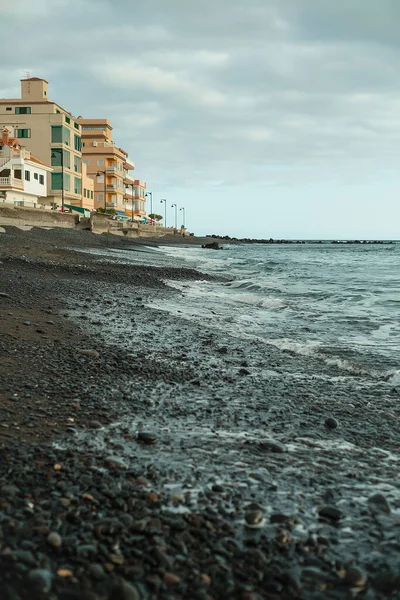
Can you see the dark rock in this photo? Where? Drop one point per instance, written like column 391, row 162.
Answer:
column 41, row 580
column 331, row 513
column 331, row 423
column 124, row 591
column 244, row 371
column 146, row 437
column 212, row 246
column 378, row 504
column 356, row 577
column 254, row 517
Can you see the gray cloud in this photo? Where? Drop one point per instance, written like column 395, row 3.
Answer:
column 238, row 97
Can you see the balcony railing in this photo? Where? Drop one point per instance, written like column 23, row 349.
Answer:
column 12, row 182
column 111, row 204
column 111, row 186
column 111, row 169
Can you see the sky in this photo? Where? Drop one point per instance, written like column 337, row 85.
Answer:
column 262, row 118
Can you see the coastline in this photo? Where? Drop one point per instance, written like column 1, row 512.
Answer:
column 208, row 503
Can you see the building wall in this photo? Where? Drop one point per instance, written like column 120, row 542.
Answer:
column 43, row 115
column 101, row 154
column 87, row 189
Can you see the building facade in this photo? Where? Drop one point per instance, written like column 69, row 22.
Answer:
column 135, row 199
column 52, row 134
column 107, row 164
column 23, row 178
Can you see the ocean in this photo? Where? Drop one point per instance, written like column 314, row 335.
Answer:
column 337, row 303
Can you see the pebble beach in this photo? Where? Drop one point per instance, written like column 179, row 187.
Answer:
column 144, row 456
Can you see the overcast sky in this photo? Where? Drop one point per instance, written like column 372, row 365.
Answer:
column 263, row 118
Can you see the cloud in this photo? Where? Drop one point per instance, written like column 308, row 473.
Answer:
column 275, row 95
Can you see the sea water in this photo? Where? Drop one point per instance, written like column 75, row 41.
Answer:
column 338, row 303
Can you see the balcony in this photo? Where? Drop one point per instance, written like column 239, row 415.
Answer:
column 111, row 204
column 111, row 186
column 11, row 182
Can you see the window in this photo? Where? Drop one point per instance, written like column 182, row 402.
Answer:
column 84, row 192
column 77, row 143
column 100, row 197
column 56, row 158
column 41, row 179
column 27, row 176
column 56, row 133
column 18, row 173
column 67, row 119
column 22, row 110
column 77, row 164
column 35, row 176
column 100, row 163
column 77, row 185
column 45, row 93
column 57, row 111
column 56, row 181
column 23, row 133
column 9, row 108
column 100, row 178
column 67, row 182
column 76, row 126
column 91, row 194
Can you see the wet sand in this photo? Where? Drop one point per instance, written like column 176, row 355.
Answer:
column 145, row 457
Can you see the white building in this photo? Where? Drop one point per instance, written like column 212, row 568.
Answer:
column 23, row 178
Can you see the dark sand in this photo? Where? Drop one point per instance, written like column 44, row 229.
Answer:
column 134, row 457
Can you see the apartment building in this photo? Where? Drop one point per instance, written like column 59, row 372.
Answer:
column 23, row 178
column 52, row 134
column 107, row 164
column 135, row 198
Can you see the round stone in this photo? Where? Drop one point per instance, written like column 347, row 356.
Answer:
column 146, row 437
column 356, row 577
column 331, row 423
column 54, row 540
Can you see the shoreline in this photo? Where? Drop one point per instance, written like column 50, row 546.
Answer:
column 186, row 465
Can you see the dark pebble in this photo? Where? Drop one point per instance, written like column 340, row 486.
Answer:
column 145, row 437
column 330, row 512
column 379, row 505
column 331, row 423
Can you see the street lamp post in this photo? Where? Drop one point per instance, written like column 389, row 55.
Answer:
column 61, row 151
column 105, row 188
column 151, row 204
column 165, row 202
column 133, row 203
column 176, row 214
column 183, row 216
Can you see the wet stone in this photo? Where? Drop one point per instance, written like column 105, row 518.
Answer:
column 378, row 504
column 356, row 577
column 273, row 446
column 54, row 540
column 146, row 437
column 329, row 512
column 331, row 423
column 41, row 580
column 254, row 517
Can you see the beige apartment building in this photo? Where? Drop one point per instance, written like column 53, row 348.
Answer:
column 52, row 134
column 108, row 165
